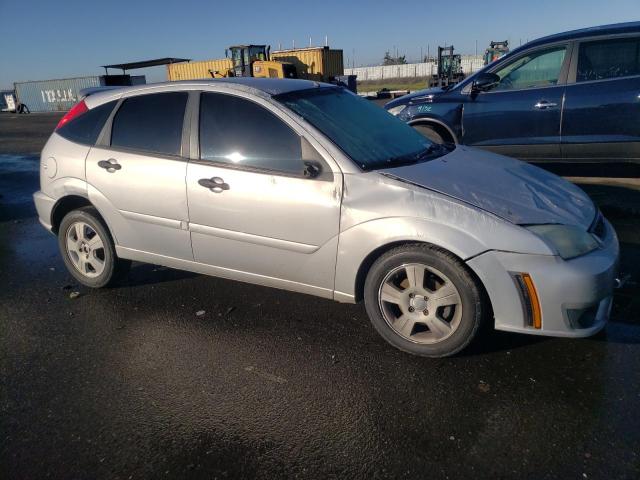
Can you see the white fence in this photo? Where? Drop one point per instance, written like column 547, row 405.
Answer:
column 470, row 64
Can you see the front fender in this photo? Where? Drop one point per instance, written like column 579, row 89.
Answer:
column 359, row 241
column 448, row 115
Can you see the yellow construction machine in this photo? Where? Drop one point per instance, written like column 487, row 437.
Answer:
column 254, row 61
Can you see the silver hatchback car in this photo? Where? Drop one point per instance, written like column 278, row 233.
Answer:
column 306, row 187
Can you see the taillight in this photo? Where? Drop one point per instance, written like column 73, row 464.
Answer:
column 77, row 110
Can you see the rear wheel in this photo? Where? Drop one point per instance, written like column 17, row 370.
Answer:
column 430, row 133
column 423, row 300
column 88, row 250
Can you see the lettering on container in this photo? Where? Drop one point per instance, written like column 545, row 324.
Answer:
column 57, row 96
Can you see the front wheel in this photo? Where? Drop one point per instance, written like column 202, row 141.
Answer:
column 88, row 250
column 430, row 133
column 423, row 300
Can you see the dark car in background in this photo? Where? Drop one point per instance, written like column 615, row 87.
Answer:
column 571, row 100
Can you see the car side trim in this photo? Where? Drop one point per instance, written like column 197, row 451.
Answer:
column 141, row 217
column 191, row 266
column 255, row 239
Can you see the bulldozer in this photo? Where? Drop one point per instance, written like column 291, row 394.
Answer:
column 254, row 61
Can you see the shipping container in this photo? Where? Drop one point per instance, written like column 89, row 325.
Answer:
column 197, row 70
column 313, row 63
column 53, row 95
column 62, row 94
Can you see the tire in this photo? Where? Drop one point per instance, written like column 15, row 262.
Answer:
column 430, row 133
column 436, row 317
column 88, row 249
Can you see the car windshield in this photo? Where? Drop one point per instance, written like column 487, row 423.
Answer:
column 368, row 134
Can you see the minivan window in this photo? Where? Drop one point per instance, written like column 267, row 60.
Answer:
column 368, row 134
column 240, row 132
column 540, row 68
column 604, row 59
column 86, row 128
column 151, row 123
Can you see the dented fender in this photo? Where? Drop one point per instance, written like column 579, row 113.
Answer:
column 379, row 211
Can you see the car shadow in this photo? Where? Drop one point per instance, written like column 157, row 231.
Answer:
column 147, row 274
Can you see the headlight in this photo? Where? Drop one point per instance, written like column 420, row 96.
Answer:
column 567, row 240
column 397, row 109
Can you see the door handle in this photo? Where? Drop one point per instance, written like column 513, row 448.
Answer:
column 215, row 184
column 543, row 105
column 110, row 165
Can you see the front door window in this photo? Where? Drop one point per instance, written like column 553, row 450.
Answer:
column 540, row 68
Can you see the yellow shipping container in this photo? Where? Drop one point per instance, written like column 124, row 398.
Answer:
column 196, row 70
column 313, row 63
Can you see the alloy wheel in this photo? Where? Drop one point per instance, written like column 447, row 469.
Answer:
column 85, row 249
column 420, row 303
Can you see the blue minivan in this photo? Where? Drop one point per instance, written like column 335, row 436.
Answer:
column 571, row 100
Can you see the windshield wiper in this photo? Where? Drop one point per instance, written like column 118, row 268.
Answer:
column 410, row 159
column 422, row 154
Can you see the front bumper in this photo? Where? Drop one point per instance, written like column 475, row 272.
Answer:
column 575, row 295
column 44, row 206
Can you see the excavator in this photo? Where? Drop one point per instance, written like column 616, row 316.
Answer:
column 254, row 61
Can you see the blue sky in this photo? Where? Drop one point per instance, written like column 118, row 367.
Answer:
column 58, row 38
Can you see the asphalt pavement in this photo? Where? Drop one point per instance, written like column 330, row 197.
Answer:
column 178, row 375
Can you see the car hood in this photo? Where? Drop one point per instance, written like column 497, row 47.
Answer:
column 420, row 95
column 514, row 190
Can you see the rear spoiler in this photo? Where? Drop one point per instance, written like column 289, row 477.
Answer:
column 85, row 92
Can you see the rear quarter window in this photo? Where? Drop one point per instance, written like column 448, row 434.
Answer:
column 86, row 128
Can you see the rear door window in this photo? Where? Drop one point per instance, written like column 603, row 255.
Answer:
column 150, row 123
column 605, row 59
column 86, row 128
column 240, row 132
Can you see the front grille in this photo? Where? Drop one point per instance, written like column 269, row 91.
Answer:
column 598, row 227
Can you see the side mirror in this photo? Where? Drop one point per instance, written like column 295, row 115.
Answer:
column 313, row 164
column 226, row 53
column 484, row 82
column 312, row 169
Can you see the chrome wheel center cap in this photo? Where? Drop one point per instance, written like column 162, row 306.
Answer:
column 418, row 302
